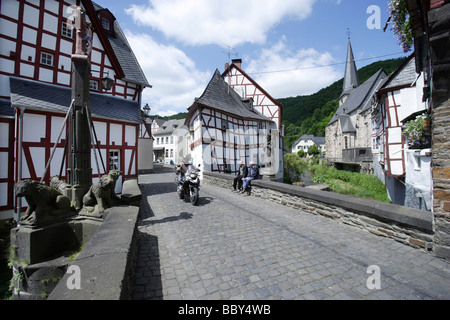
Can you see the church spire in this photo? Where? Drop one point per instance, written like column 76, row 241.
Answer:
column 351, row 78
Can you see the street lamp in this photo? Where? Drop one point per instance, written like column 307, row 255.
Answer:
column 147, row 110
column 106, row 81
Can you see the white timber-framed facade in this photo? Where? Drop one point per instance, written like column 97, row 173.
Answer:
column 224, row 128
column 37, row 40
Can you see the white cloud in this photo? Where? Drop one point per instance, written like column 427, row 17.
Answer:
column 283, row 72
column 173, row 75
column 231, row 22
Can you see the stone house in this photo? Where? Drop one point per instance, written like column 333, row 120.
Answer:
column 348, row 134
column 430, row 21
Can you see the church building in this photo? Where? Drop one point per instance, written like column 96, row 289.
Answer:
column 349, row 133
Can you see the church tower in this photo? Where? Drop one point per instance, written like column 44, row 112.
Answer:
column 351, row 78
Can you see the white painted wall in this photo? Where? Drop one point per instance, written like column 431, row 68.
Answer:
column 418, row 179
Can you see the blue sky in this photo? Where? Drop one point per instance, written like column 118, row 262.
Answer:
column 290, row 47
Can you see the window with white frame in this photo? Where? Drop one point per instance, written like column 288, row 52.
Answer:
column 105, row 24
column 93, row 85
column 66, row 30
column 114, row 160
column 47, row 59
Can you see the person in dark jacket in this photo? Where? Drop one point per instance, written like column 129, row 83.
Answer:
column 253, row 173
column 243, row 171
column 181, row 171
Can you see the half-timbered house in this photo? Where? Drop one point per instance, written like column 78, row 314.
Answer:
column 225, row 127
column 406, row 172
column 246, row 87
column 37, row 40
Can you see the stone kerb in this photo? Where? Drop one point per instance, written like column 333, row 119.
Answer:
column 407, row 225
column 131, row 193
column 105, row 266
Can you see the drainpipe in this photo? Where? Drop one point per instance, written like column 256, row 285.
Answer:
column 19, row 162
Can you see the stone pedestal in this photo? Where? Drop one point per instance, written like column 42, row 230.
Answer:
column 37, row 244
column 42, row 253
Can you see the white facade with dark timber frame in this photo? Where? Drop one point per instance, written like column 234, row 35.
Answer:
column 226, row 128
column 37, row 40
column 246, row 87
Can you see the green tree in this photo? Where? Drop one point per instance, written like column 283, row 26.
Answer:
column 313, row 150
column 294, row 167
column 301, row 153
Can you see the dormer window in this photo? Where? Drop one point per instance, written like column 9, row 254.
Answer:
column 105, row 24
column 107, row 20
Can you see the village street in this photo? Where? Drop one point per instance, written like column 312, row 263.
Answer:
column 238, row 247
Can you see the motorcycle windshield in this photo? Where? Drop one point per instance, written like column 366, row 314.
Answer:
column 191, row 168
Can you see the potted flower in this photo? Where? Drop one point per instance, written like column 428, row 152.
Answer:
column 416, row 134
column 426, row 121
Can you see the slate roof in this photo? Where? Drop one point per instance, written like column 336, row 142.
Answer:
column 351, row 77
column 46, row 97
column 5, row 109
column 360, row 97
column 159, row 121
column 316, row 140
column 346, row 123
column 405, row 75
column 220, row 96
column 124, row 54
column 169, row 127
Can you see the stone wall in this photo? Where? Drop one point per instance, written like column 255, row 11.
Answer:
column 439, row 40
column 410, row 226
column 106, row 264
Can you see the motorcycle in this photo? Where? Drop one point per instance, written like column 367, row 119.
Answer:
column 189, row 184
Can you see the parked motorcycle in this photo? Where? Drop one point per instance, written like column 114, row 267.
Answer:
column 189, row 185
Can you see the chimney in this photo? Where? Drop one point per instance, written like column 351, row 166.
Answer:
column 227, row 65
column 237, row 62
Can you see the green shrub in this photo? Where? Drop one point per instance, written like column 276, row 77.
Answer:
column 352, row 183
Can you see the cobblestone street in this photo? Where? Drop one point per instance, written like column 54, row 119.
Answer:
column 238, row 247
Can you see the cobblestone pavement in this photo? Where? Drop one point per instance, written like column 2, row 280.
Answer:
column 238, row 247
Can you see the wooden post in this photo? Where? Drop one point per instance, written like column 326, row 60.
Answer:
column 79, row 167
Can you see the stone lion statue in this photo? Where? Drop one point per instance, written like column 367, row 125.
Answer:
column 102, row 193
column 41, row 199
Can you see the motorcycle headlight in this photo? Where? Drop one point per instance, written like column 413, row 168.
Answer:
column 193, row 176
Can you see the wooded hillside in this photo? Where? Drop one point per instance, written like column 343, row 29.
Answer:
column 311, row 114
